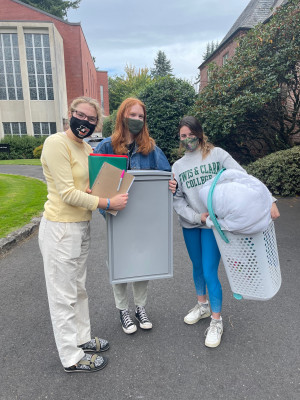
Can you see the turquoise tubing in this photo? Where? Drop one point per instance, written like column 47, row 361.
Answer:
column 210, row 208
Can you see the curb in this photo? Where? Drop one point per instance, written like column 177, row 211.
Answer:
column 14, row 238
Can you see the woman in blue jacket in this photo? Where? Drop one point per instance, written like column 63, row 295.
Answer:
column 131, row 137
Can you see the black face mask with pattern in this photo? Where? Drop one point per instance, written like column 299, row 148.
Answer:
column 81, row 128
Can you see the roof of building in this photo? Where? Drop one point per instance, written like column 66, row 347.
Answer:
column 257, row 11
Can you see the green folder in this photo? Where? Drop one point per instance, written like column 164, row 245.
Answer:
column 96, row 161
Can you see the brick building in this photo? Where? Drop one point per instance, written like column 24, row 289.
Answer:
column 257, row 11
column 45, row 62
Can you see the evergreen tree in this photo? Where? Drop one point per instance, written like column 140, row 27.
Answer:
column 59, row 8
column 167, row 100
column 210, row 48
column 162, row 66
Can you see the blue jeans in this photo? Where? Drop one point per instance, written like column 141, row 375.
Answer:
column 205, row 256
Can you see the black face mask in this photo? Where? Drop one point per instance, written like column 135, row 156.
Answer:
column 81, row 127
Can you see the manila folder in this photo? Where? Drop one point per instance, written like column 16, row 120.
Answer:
column 107, row 182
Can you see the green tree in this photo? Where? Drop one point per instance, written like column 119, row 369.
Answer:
column 162, row 66
column 59, row 8
column 128, row 85
column 167, row 100
column 251, row 105
column 109, row 124
column 210, row 48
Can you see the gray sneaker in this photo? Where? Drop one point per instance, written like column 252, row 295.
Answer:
column 198, row 312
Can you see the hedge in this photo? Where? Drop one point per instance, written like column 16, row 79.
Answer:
column 21, row 147
column 279, row 171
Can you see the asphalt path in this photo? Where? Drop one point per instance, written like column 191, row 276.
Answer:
column 33, row 171
column 258, row 357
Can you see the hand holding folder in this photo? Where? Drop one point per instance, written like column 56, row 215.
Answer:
column 107, row 183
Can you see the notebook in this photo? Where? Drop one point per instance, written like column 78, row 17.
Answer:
column 107, row 182
column 96, row 161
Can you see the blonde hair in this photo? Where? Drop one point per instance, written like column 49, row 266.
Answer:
column 92, row 102
column 118, row 139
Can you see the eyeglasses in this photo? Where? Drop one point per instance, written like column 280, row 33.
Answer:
column 184, row 136
column 81, row 115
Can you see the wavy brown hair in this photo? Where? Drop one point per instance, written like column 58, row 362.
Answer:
column 197, row 130
column 118, row 139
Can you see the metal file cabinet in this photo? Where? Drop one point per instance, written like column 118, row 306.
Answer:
column 140, row 237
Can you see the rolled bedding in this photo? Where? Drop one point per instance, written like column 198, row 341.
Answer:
column 241, row 202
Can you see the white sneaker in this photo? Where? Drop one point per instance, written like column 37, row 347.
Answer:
column 214, row 333
column 198, row 312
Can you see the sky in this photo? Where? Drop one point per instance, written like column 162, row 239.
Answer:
column 120, row 32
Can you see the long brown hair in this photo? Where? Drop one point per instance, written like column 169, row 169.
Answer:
column 118, row 139
column 197, row 130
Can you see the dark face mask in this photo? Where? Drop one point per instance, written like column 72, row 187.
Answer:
column 81, row 127
column 134, row 125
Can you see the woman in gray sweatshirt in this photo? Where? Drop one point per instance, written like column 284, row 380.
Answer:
column 201, row 162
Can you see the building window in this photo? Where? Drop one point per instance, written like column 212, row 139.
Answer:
column 39, row 66
column 208, row 75
column 44, row 128
column 225, row 58
column 101, row 97
column 10, row 71
column 14, row 128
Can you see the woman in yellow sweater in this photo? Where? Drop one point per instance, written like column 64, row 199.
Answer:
column 64, row 237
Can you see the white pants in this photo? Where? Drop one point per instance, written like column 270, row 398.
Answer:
column 139, row 294
column 64, row 247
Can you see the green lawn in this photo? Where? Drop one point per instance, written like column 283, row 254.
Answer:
column 34, row 161
column 22, row 198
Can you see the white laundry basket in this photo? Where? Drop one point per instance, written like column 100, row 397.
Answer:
column 251, row 261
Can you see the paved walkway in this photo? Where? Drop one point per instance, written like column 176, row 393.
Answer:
column 33, row 171
column 258, row 358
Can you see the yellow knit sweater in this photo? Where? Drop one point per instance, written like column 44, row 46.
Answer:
column 65, row 166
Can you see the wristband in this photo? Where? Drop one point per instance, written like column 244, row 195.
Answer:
column 108, row 204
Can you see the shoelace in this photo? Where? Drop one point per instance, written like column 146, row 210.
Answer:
column 213, row 328
column 127, row 319
column 142, row 314
column 194, row 308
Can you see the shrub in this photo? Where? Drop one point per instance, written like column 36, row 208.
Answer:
column 279, row 171
column 109, row 124
column 167, row 100
column 21, row 147
column 37, row 151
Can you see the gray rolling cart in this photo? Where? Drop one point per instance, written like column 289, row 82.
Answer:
column 140, row 237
